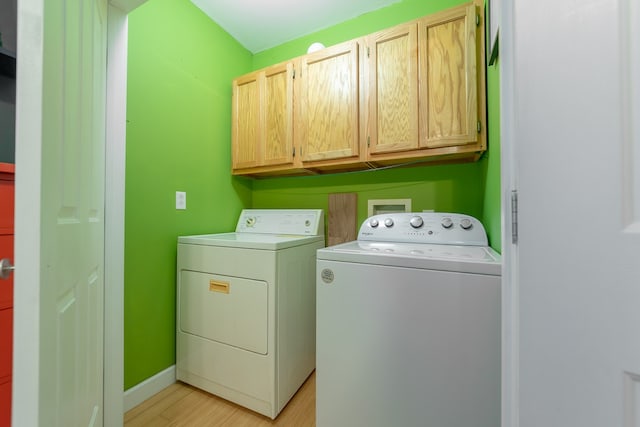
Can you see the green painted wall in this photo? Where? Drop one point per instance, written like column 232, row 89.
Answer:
column 455, row 188
column 178, row 139
column 491, row 212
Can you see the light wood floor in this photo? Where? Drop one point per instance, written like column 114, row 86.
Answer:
column 183, row 405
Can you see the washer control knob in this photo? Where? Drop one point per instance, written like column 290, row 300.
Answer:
column 416, row 222
column 447, row 222
column 466, row 223
column 388, row 222
column 373, row 223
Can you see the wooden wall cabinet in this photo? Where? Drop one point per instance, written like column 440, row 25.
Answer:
column 392, row 97
column 448, row 78
column 411, row 93
column 426, row 89
column 262, row 124
column 327, row 97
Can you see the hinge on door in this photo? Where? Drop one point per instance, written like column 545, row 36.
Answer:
column 514, row 217
column 294, row 152
column 479, row 126
column 368, row 141
column 368, row 52
column 294, row 73
column 477, row 20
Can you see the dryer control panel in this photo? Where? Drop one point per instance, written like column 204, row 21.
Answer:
column 424, row 227
column 304, row 222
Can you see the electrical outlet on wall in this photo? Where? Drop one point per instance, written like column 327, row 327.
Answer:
column 181, row 200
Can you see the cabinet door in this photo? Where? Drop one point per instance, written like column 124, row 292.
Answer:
column 245, row 134
column 392, row 61
column 278, row 115
column 329, row 104
column 448, row 85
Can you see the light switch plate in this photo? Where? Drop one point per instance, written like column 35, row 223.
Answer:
column 181, row 200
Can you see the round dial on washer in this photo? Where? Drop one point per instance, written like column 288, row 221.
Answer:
column 465, row 223
column 250, row 221
column 416, row 222
column 388, row 222
column 447, row 222
column 373, row 223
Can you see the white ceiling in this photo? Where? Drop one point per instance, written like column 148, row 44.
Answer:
column 263, row 24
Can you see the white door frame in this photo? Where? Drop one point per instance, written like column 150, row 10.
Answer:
column 510, row 298
column 114, row 217
column 114, row 210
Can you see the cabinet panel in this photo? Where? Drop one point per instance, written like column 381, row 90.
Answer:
column 278, row 109
column 263, row 119
column 448, row 91
column 393, row 89
column 329, row 104
column 246, row 121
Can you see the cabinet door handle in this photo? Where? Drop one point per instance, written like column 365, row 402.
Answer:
column 6, row 268
column 216, row 286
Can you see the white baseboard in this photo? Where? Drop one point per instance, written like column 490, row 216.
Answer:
column 147, row 388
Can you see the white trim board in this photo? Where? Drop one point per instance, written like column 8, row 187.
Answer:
column 114, row 217
column 149, row 387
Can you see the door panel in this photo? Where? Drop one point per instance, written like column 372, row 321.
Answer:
column 329, row 103
column 225, row 309
column 448, row 61
column 278, row 111
column 60, row 193
column 393, row 89
column 576, row 289
column 246, row 122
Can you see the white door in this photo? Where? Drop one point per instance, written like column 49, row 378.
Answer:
column 571, row 116
column 59, row 229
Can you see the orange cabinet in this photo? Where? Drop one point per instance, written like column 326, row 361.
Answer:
column 6, row 291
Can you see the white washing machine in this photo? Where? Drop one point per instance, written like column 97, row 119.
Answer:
column 246, row 308
column 408, row 325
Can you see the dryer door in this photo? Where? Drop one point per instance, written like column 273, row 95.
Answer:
column 229, row 310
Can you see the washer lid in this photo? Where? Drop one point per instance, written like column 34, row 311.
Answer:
column 250, row 240
column 464, row 259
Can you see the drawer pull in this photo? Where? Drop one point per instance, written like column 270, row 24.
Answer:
column 215, row 286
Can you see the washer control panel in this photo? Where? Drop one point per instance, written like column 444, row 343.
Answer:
column 424, row 227
column 307, row 222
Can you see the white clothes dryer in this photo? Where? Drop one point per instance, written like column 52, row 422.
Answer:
column 408, row 325
column 246, row 307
